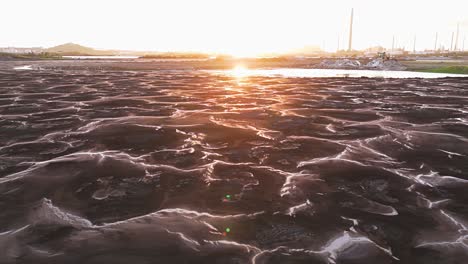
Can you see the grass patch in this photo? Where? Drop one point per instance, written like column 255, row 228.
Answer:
column 449, row 69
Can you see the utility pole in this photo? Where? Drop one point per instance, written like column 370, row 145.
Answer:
column 351, row 31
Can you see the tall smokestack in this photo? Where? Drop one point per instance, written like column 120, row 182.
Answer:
column 393, row 43
column 451, row 43
column 456, row 38
column 414, row 44
column 351, row 31
column 463, row 47
column 435, row 44
column 338, row 47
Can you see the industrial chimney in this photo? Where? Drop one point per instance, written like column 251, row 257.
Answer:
column 451, row 43
column 350, row 31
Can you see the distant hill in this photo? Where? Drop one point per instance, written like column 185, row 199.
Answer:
column 72, row 49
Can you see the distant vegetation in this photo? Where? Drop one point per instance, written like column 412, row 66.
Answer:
column 449, row 69
column 175, row 55
column 71, row 49
column 30, row 56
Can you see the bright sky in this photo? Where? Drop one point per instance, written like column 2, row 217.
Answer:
column 239, row 27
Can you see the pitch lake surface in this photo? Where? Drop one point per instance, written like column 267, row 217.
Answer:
column 232, row 167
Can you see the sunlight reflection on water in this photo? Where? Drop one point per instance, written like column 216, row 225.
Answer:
column 317, row 73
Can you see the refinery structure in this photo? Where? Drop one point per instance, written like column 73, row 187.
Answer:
column 457, row 44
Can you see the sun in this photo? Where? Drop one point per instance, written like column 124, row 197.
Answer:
column 240, row 71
